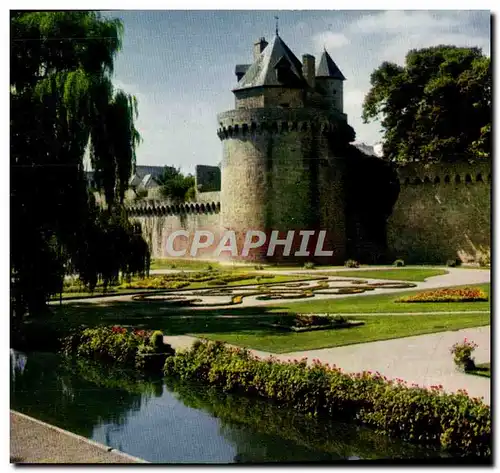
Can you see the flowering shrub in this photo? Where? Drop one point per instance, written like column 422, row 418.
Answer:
column 310, row 320
column 462, row 353
column 350, row 263
column 465, row 294
column 428, row 416
column 115, row 344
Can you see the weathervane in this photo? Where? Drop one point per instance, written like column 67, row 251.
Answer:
column 276, row 18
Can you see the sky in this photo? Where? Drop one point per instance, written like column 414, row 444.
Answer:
column 180, row 64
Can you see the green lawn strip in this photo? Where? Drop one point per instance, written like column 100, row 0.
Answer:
column 375, row 329
column 245, row 330
column 168, row 263
column 382, row 303
column 482, row 369
column 399, row 274
column 297, row 267
column 194, row 285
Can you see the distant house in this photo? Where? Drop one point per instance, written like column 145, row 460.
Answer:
column 144, row 177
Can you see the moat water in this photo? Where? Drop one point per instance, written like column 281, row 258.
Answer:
column 166, row 421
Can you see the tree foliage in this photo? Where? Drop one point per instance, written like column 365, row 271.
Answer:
column 63, row 104
column 436, row 106
column 176, row 186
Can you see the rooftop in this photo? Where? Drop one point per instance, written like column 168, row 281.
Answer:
column 263, row 72
column 328, row 68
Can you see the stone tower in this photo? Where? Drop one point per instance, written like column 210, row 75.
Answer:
column 278, row 173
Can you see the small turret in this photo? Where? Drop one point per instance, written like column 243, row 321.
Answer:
column 329, row 82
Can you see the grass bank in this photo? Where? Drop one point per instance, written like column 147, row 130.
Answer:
column 398, row 274
column 482, row 369
column 239, row 325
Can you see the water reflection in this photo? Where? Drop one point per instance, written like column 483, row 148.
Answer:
column 171, row 422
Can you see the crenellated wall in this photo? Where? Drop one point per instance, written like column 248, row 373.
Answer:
column 159, row 221
column 443, row 212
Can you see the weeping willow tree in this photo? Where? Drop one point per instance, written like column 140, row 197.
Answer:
column 64, row 105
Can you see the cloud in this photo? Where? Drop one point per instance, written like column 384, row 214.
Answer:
column 399, row 21
column 329, row 40
column 175, row 130
column 399, row 31
column 397, row 49
column 353, row 97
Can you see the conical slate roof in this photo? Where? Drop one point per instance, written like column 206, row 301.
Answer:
column 263, row 71
column 328, row 68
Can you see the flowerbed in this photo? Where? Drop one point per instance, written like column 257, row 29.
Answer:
column 141, row 348
column 466, row 294
column 309, row 322
column 456, row 422
column 157, row 282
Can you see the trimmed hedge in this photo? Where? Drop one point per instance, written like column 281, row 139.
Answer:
column 455, row 422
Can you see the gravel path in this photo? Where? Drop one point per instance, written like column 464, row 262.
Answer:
column 34, row 441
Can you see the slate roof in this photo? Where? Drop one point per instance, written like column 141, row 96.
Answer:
column 155, row 171
column 263, row 73
column 148, row 181
column 328, row 68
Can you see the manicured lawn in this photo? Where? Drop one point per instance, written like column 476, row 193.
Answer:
column 168, row 263
column 198, row 265
column 241, row 327
column 375, row 328
column 399, row 274
column 382, row 303
column 482, row 369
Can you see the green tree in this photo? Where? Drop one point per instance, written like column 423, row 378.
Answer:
column 63, row 103
column 176, row 186
column 436, row 106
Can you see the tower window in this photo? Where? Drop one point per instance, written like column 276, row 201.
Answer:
column 334, row 92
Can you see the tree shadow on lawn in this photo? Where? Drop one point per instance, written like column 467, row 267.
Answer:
column 157, row 316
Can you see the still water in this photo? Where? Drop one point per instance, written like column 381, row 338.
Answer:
column 165, row 421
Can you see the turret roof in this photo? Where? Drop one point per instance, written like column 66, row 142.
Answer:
column 263, row 73
column 328, row 68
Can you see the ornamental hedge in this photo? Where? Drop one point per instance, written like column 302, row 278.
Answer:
column 456, row 422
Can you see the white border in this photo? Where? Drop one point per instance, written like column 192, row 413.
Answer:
column 187, row 5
